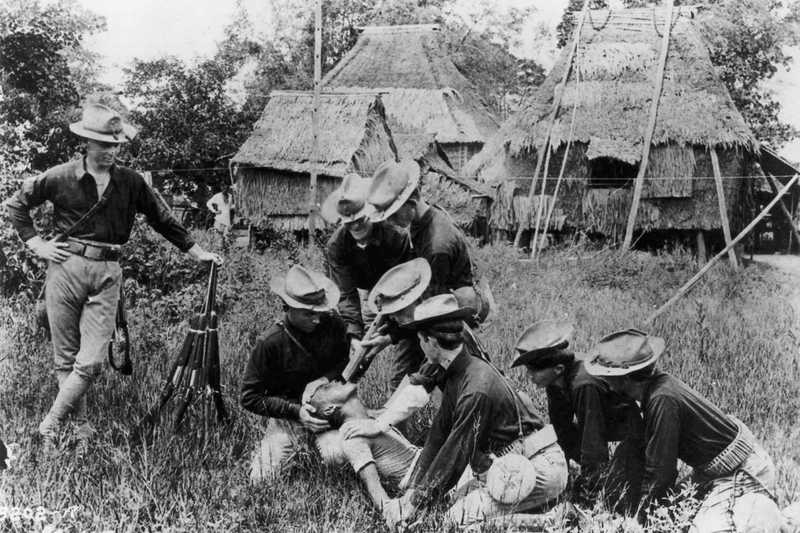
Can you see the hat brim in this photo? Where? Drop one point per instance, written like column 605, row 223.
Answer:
column 524, row 357
column 381, row 215
column 458, row 314
column 595, row 368
column 407, row 299
column 332, row 295
column 128, row 133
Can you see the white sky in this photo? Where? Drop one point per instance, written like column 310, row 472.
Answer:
column 149, row 29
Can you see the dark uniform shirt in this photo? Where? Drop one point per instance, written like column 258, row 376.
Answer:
column 279, row 370
column 478, row 415
column 73, row 191
column 587, row 415
column 437, row 239
column 679, row 424
column 352, row 267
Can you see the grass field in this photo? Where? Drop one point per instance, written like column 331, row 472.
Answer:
column 733, row 339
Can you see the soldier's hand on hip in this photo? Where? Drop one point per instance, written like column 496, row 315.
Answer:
column 311, row 422
column 52, row 250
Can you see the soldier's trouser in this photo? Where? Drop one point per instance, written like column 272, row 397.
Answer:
column 81, row 296
column 741, row 501
column 283, row 439
column 477, row 504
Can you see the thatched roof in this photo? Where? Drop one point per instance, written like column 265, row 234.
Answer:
column 617, row 58
column 423, row 91
column 282, row 137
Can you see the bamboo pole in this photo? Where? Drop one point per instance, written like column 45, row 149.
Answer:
column 556, row 105
column 689, row 284
column 312, row 190
column 723, row 210
column 648, row 137
column 774, row 186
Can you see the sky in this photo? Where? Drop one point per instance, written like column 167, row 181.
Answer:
column 148, row 29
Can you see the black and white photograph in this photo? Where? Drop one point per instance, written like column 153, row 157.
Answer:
column 407, row 266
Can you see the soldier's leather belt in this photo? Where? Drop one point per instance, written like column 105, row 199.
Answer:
column 93, row 252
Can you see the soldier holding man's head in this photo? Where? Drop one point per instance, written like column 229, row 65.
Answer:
column 83, row 273
column 307, row 348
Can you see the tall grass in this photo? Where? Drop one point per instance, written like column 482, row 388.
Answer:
column 731, row 339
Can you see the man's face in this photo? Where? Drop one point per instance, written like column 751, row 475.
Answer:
column 334, row 395
column 100, row 153
column 403, row 217
column 430, row 347
column 305, row 320
column 359, row 229
column 544, row 377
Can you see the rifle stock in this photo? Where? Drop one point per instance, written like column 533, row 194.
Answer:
column 359, row 363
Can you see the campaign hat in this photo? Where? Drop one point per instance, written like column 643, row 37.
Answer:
column 303, row 288
column 392, row 184
column 400, row 286
column 623, row 352
column 541, row 339
column 101, row 123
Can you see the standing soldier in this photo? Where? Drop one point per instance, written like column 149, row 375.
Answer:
column 307, row 349
column 586, row 415
column 360, row 251
column 734, row 471
column 95, row 203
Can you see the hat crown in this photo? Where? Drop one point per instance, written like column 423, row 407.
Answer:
column 353, row 195
column 400, row 281
column 390, row 181
column 623, row 349
column 303, row 287
column 101, row 119
column 436, row 306
column 544, row 335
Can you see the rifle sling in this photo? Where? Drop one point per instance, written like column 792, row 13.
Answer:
column 294, row 340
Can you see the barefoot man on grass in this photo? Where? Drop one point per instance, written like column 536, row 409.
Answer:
column 304, row 350
column 83, row 273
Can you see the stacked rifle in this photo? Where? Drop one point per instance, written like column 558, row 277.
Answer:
column 195, row 373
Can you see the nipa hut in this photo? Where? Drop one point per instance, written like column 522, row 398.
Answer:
column 425, row 95
column 610, row 89
column 273, row 166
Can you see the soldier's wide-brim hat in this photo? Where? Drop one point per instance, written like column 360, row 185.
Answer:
column 623, row 352
column 392, row 185
column 303, row 288
column 540, row 339
column 400, row 286
column 348, row 202
column 438, row 309
column 101, row 123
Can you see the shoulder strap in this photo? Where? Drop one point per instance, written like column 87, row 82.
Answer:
column 294, row 339
column 88, row 214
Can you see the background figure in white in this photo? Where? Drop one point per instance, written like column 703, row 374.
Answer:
column 221, row 204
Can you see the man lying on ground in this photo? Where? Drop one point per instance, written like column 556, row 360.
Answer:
column 385, row 458
column 308, row 345
column 481, row 417
column 587, row 415
column 735, row 472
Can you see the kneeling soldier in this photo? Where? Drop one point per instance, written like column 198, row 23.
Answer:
column 481, row 418
column 733, row 469
column 308, row 347
column 586, row 415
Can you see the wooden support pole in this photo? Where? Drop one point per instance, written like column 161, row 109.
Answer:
column 774, row 186
column 702, row 251
column 723, row 210
column 689, row 284
column 648, row 136
column 312, row 190
column 540, row 153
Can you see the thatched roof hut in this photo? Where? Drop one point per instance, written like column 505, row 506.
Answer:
column 424, row 93
column 273, row 165
column 617, row 63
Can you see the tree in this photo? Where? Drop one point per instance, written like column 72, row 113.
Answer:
column 44, row 71
column 185, row 118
